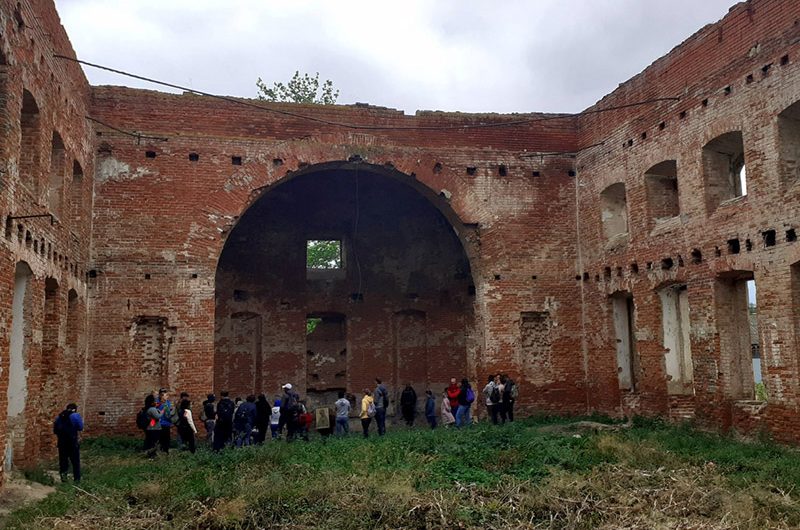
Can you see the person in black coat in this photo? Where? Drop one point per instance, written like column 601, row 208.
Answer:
column 408, row 404
column 263, row 412
column 66, row 427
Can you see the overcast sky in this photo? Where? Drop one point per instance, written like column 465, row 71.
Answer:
column 467, row 55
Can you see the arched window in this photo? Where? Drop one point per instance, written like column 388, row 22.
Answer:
column 614, row 210
column 661, row 182
column 724, row 169
column 55, row 190
column 789, row 137
column 29, row 142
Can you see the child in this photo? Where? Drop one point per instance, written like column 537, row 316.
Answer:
column 275, row 419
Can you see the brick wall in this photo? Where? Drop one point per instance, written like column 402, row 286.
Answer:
column 176, row 254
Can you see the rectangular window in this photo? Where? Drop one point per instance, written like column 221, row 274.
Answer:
column 677, row 342
column 736, row 326
column 325, row 254
column 622, row 309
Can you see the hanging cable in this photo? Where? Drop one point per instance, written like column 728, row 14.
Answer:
column 246, row 103
column 134, row 134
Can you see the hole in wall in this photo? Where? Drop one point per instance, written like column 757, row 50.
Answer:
column 502, row 170
column 236, row 160
column 634, row 268
column 571, row 173
column 147, row 276
column 150, row 154
column 717, row 252
column 704, row 102
column 536, row 174
column 662, row 126
column 666, row 264
column 748, row 245
column 791, row 235
column 277, row 162
column 437, row 167
column 784, row 60
column 769, row 238
column 194, row 157
column 733, row 246
column 682, row 115
column 765, row 69
column 727, row 90
column 697, row 256
column 471, row 170
column 748, row 79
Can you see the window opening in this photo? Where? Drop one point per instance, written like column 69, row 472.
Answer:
column 323, row 254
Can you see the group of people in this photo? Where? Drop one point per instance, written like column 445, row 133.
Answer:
column 248, row 421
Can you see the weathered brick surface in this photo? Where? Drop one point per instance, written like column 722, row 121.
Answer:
column 472, row 243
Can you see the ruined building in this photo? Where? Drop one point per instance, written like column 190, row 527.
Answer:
column 600, row 259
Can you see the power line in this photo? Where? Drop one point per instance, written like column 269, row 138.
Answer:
column 250, row 104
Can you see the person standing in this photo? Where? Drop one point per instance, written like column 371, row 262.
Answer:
column 381, row 402
column 67, row 426
column 408, row 404
column 509, row 396
column 447, row 411
column 430, row 409
column 168, row 417
column 465, row 399
column 342, row 415
column 275, row 419
column 176, row 422
column 244, row 419
column 290, row 412
column 224, row 425
column 368, row 410
column 209, row 417
column 452, row 394
column 186, row 427
column 492, row 396
column 263, row 412
column 152, row 432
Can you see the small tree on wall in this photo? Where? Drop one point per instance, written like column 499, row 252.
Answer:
column 299, row 89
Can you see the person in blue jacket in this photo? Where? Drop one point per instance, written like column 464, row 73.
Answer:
column 66, row 427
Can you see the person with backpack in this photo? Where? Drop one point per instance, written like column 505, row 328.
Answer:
column 408, row 404
column 381, row 401
column 465, row 399
column 275, row 419
column 67, row 426
column 243, row 421
column 492, row 395
column 368, row 411
column 263, row 412
column 209, row 417
column 342, row 415
column 510, row 393
column 152, row 431
column 290, row 412
column 169, row 416
column 177, row 420
column 430, row 409
column 224, row 424
column 186, row 427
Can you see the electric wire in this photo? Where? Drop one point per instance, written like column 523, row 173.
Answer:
column 482, row 125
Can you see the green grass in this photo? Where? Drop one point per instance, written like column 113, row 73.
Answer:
column 533, row 473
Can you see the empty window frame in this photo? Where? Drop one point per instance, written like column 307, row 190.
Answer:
column 676, row 339
column 30, row 124
column 724, row 170
column 735, row 303
column 789, row 138
column 614, row 210
column 622, row 310
column 323, row 254
column 661, row 183
column 55, row 189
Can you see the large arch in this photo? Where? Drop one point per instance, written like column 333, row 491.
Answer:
column 399, row 306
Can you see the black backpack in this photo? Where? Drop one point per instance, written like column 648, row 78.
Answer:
column 142, row 419
column 494, row 396
column 208, row 410
column 241, row 416
column 225, row 410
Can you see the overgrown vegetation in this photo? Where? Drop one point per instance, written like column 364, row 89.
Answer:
column 537, row 473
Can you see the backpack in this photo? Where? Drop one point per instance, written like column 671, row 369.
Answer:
column 494, row 396
column 142, row 419
column 371, row 410
column 183, row 421
column 470, row 396
column 225, row 410
column 208, row 411
column 241, row 416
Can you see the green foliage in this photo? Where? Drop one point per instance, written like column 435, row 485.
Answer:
column 299, row 89
column 761, row 391
column 540, row 472
column 323, row 254
column 311, row 325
